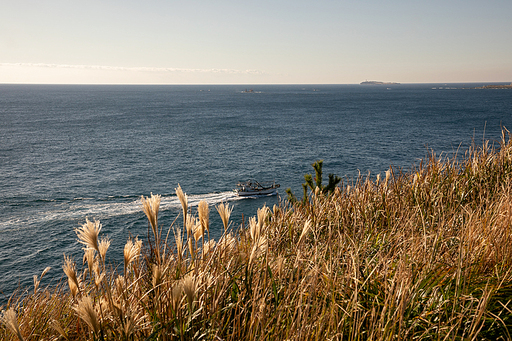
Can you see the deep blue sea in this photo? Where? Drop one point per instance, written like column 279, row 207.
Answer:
column 68, row 152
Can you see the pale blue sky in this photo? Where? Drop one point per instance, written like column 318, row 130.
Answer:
column 251, row 42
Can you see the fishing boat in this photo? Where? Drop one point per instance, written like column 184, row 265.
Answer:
column 252, row 188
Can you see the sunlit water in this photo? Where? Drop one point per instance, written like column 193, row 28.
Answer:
column 71, row 152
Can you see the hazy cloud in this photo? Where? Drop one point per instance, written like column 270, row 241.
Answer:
column 135, row 69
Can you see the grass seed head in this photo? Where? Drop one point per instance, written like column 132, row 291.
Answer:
column 131, row 251
column 157, row 275
column 179, row 242
column 55, row 324
column 151, row 206
column 37, row 281
column 209, row 246
column 69, row 270
column 224, row 212
column 98, row 279
column 10, row 320
column 190, row 225
column 260, row 246
column 226, row 243
column 262, row 216
column 90, row 258
column 183, row 200
column 85, row 310
column 204, row 215
column 120, row 285
column 254, row 228
column 88, row 234
column 198, row 230
column 129, row 327
column 176, row 295
column 305, row 230
column 388, row 175
column 189, row 287
column 103, row 246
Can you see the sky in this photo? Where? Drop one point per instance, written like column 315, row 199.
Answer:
column 255, row 42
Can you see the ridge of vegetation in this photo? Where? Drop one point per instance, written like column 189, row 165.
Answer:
column 422, row 255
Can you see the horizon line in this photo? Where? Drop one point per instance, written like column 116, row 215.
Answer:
column 255, row 84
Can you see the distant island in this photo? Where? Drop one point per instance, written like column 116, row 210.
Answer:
column 509, row 86
column 378, row 83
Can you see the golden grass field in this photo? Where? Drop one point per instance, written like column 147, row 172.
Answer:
column 418, row 255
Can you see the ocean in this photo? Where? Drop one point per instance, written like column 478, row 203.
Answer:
column 68, row 152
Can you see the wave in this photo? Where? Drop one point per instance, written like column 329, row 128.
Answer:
column 103, row 208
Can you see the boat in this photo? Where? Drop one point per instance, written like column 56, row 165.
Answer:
column 252, row 188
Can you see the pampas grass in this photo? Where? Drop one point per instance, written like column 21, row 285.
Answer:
column 184, row 202
column 224, row 212
column 86, row 311
column 37, row 281
column 70, row 271
column 88, row 234
column 10, row 320
column 131, row 252
column 421, row 255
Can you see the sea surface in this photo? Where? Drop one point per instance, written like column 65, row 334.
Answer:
column 68, row 152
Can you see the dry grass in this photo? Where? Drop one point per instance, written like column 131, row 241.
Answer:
column 419, row 255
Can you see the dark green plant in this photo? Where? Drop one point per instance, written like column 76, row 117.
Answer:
column 314, row 183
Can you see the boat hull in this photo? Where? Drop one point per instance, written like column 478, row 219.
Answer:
column 246, row 193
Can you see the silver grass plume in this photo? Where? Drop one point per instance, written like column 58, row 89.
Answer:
column 90, row 258
column 305, row 230
column 176, row 295
column 98, row 279
column 151, row 206
column 103, row 246
column 69, row 270
column 190, row 225
column 86, row 312
column 204, row 215
column 120, row 284
column 10, row 320
column 157, row 275
column 226, row 243
column 275, row 210
column 189, row 287
column 179, row 243
column 88, row 234
column 37, row 281
column 254, row 228
column 262, row 216
column 224, row 212
column 131, row 252
column 55, row 324
column 208, row 246
column 388, row 175
column 198, row 230
column 184, row 202
column 259, row 246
